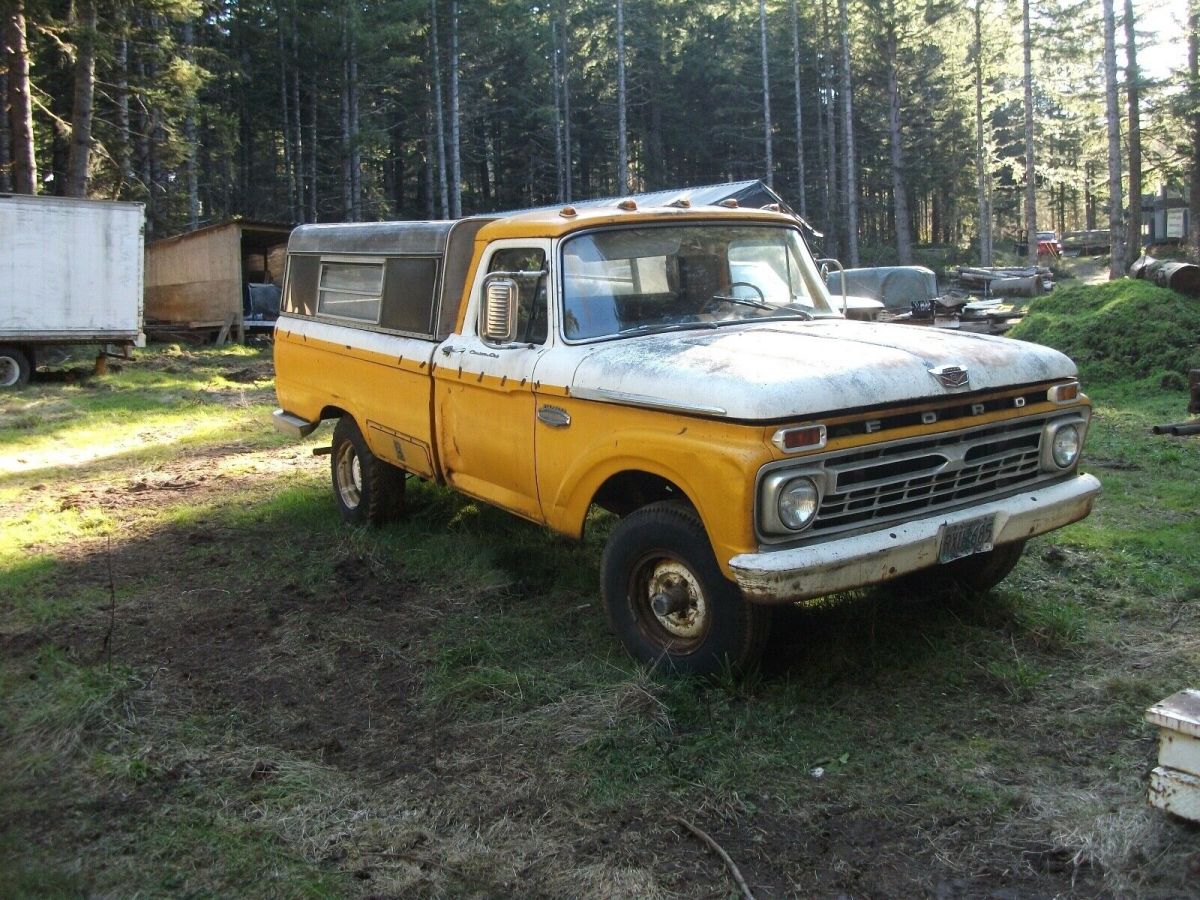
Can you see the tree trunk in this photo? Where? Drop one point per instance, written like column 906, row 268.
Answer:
column 1133, row 236
column 20, row 102
column 566, row 95
column 560, row 169
column 189, row 137
column 347, row 163
column 355, row 144
column 1112, row 112
column 297, row 131
column 851, row 177
column 622, row 145
column 904, row 248
column 311, row 147
column 833, row 223
column 981, row 148
column 800, row 178
column 285, row 109
column 1030, row 175
column 5, row 133
column 1089, row 198
column 439, row 110
column 1194, row 89
column 124, row 148
column 455, row 156
column 766, row 89
column 85, row 94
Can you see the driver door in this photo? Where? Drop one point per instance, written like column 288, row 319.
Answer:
column 484, row 392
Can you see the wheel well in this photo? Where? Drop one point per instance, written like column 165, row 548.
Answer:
column 332, row 412
column 626, row 491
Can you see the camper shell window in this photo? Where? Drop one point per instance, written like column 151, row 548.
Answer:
column 351, row 290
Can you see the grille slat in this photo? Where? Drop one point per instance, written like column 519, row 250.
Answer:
column 928, row 473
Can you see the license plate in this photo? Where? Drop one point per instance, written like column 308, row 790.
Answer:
column 965, row 538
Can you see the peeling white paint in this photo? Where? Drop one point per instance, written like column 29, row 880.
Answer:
column 792, row 369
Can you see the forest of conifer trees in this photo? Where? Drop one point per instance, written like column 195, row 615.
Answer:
column 887, row 123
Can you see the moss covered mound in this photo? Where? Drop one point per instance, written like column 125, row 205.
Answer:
column 1122, row 329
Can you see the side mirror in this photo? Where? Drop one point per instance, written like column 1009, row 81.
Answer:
column 826, row 265
column 498, row 309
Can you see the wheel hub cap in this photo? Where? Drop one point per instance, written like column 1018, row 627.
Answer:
column 677, row 601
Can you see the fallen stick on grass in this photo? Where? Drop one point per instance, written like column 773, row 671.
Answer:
column 720, row 851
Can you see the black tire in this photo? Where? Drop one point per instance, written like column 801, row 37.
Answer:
column 367, row 490
column 663, row 549
column 15, row 367
column 976, row 574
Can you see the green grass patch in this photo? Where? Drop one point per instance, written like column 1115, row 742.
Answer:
column 1126, row 329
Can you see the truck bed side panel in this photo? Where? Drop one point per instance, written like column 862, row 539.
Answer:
column 382, row 380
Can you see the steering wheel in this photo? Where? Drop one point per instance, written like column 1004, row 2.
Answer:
column 761, row 303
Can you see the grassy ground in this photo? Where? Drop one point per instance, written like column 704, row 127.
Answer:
column 210, row 686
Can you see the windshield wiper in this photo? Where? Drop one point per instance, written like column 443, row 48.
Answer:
column 663, row 326
column 744, row 301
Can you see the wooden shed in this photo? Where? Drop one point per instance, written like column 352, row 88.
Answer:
column 195, row 282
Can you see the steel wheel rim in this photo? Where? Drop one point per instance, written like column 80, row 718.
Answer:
column 677, row 632
column 10, row 372
column 349, row 476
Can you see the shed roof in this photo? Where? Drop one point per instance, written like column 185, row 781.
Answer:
column 252, row 230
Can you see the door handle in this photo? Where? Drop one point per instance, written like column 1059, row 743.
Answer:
column 554, row 416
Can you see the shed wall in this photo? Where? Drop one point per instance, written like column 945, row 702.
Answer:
column 196, row 277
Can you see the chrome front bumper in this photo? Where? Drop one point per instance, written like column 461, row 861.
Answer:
column 800, row 573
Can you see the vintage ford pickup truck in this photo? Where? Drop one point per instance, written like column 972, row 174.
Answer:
column 685, row 368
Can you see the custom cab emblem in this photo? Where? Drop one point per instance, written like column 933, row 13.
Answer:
column 951, row 376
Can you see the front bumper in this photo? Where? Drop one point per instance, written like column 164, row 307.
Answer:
column 800, row 573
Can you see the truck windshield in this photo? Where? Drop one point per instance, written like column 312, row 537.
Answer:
column 634, row 280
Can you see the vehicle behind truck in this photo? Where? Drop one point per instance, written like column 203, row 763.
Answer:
column 684, row 368
column 70, row 274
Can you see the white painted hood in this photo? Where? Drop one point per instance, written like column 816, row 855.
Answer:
column 782, row 370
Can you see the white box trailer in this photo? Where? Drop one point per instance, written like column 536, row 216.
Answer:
column 70, row 273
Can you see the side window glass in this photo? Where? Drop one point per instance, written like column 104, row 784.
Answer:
column 351, row 291
column 528, row 264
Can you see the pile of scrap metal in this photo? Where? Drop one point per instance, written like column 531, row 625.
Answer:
column 1169, row 273
column 910, row 296
column 1006, row 281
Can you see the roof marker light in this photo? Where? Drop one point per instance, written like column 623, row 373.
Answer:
column 682, row 203
column 628, row 204
column 729, row 204
column 568, row 212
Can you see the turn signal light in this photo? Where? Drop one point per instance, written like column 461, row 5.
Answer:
column 1063, row 393
column 793, row 440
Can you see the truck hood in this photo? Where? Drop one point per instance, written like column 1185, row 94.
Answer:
column 786, row 370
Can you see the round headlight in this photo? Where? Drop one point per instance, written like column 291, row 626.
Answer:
column 1065, row 448
column 798, row 502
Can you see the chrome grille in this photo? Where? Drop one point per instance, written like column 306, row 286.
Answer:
column 895, row 480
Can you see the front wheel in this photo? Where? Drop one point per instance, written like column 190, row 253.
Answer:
column 668, row 601
column 367, row 490
column 14, row 367
column 976, row 574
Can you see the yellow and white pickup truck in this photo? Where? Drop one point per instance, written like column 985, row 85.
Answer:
column 685, row 368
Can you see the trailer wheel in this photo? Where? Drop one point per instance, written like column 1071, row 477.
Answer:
column 366, row 489
column 14, row 367
column 668, row 601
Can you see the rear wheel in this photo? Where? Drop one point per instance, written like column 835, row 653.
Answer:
column 668, row 601
column 14, row 367
column 367, row 490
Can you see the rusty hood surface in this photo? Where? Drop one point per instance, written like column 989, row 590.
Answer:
column 781, row 370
